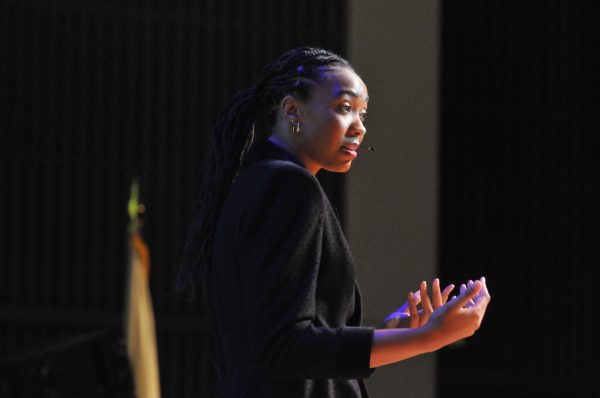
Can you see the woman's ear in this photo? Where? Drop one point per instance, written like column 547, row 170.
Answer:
column 290, row 107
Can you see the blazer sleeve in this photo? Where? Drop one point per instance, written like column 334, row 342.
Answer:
column 281, row 239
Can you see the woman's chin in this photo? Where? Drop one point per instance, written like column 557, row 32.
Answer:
column 340, row 168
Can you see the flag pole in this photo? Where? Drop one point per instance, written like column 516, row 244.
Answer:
column 139, row 322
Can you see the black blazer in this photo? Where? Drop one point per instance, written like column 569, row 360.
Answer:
column 282, row 293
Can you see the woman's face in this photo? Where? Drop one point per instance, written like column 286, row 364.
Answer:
column 332, row 122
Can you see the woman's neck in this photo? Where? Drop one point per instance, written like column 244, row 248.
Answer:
column 275, row 139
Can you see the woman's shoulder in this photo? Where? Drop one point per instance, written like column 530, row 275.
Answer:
column 274, row 170
column 279, row 177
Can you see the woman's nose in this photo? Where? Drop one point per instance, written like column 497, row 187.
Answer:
column 358, row 127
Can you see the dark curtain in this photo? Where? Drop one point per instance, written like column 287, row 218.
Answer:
column 94, row 93
column 520, row 193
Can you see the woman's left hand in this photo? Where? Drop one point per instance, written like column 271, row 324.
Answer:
column 408, row 316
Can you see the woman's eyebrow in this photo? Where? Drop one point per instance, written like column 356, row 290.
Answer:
column 348, row 91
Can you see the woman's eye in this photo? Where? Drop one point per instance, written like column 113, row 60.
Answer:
column 346, row 108
column 363, row 117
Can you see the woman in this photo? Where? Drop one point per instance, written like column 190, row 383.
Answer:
column 279, row 276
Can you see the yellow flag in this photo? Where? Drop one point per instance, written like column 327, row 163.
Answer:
column 139, row 323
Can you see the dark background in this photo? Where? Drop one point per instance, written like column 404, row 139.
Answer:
column 95, row 93
column 520, row 193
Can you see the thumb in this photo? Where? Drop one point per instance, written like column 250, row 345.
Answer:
column 462, row 300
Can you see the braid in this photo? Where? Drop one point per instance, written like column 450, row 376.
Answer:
column 296, row 71
column 228, row 138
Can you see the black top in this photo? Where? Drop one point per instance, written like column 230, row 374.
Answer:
column 282, row 292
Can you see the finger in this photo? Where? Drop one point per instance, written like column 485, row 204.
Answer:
column 484, row 288
column 436, row 295
column 425, row 301
column 446, row 293
column 412, row 304
column 414, row 313
column 425, row 304
column 467, row 295
column 405, row 307
column 463, row 289
column 413, row 323
column 417, row 295
column 484, row 294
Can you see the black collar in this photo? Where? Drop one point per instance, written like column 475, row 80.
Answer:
column 268, row 150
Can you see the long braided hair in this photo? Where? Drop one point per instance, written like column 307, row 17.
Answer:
column 294, row 72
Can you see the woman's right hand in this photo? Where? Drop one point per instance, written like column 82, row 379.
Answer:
column 461, row 316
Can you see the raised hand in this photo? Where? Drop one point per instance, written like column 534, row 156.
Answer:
column 436, row 325
column 409, row 316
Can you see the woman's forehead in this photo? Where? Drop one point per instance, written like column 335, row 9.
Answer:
column 343, row 81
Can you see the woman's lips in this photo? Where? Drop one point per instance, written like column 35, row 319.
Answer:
column 350, row 151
